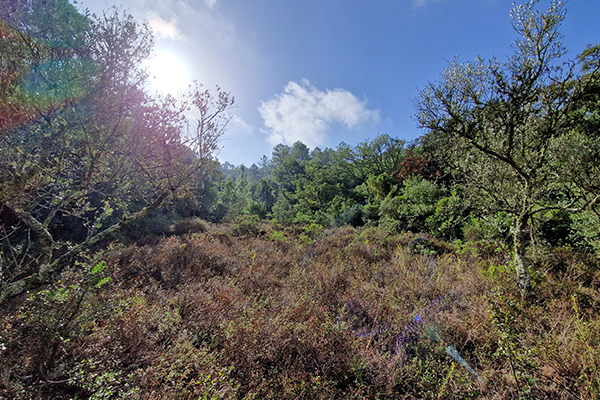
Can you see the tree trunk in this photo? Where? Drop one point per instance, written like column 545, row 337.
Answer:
column 520, row 247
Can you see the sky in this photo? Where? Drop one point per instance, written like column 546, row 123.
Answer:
column 328, row 71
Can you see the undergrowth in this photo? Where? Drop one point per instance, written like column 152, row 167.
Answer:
column 232, row 312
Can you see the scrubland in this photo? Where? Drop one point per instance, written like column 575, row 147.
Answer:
column 259, row 311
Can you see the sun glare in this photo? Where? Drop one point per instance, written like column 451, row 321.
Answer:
column 168, row 74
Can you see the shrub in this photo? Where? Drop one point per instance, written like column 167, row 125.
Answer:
column 361, row 313
column 190, row 225
column 413, row 205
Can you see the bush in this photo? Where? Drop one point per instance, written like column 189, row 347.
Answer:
column 489, row 228
column 247, row 225
column 190, row 225
column 415, row 203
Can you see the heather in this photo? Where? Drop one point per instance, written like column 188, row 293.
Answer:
column 271, row 312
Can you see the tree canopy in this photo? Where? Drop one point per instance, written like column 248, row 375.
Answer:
column 500, row 124
column 85, row 149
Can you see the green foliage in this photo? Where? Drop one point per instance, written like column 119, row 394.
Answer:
column 282, row 209
column 95, row 278
column 489, row 228
column 504, row 126
column 381, row 155
column 246, row 225
column 100, row 381
column 380, row 186
column 585, row 223
column 412, row 205
column 298, row 186
column 450, row 216
column 86, row 150
column 506, row 314
column 279, row 236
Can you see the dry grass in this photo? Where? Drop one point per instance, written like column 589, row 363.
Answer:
column 255, row 312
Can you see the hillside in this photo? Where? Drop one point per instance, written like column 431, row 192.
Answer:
column 268, row 312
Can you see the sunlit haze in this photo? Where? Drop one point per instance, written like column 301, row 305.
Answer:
column 168, row 74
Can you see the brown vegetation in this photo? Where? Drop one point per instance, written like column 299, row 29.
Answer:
column 233, row 313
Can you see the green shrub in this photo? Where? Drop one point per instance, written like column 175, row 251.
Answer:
column 489, row 228
column 414, row 204
column 190, row 225
column 247, row 225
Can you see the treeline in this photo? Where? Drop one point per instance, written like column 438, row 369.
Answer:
column 379, row 181
column 297, row 185
column 383, row 182
column 510, row 149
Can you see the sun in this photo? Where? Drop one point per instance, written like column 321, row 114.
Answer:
column 168, row 74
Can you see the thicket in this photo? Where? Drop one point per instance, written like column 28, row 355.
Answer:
column 86, row 151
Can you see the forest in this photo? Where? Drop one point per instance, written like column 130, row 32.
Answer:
column 135, row 265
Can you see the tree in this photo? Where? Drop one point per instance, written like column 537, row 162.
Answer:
column 412, row 204
column 498, row 124
column 42, row 57
column 317, row 188
column 381, row 155
column 583, row 139
column 579, row 150
column 96, row 153
column 288, row 164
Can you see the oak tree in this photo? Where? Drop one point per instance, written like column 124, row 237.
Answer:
column 498, row 124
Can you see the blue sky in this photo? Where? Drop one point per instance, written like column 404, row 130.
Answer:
column 327, row 71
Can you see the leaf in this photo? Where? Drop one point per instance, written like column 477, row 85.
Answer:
column 98, row 268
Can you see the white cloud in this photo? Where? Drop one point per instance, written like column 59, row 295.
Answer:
column 304, row 113
column 211, row 3
column 164, row 29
